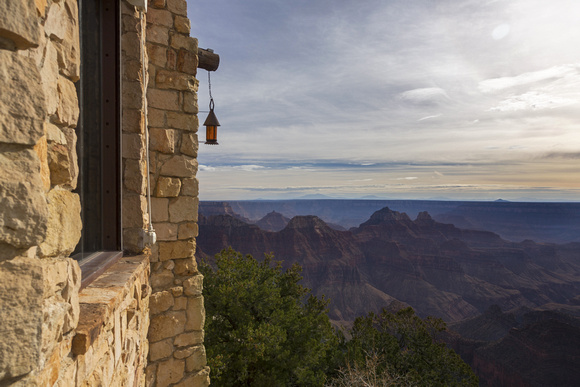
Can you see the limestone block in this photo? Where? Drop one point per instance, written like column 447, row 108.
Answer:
column 190, row 102
column 160, row 350
column 160, row 209
column 134, row 176
column 131, row 70
column 190, row 187
column 185, row 267
column 193, row 286
column 180, row 303
column 59, row 164
column 171, row 59
column 156, row 118
column 187, row 62
column 183, row 208
column 157, row 34
column 163, row 99
column 179, row 166
column 166, row 325
column 40, row 7
column 131, row 120
column 158, row 3
column 176, row 249
column 71, row 141
column 161, row 280
column 157, row 54
column 178, row 7
column 160, row 17
column 23, row 108
column 189, row 144
column 195, row 314
column 21, row 295
column 187, row 230
column 134, row 211
column 189, row 338
column 67, row 111
column 167, row 187
column 41, row 149
column 23, row 202
column 166, row 231
column 132, row 93
column 200, row 379
column 19, row 25
column 130, row 45
column 64, row 223
column 162, row 140
column 179, row 41
column 133, row 146
column 182, row 121
column 182, row 24
column 160, row 302
column 174, row 80
column 197, row 360
column 170, row 371
column 68, row 49
column 49, row 73
column 54, row 134
column 177, row 291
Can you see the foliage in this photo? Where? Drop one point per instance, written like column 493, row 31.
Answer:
column 262, row 327
column 404, row 344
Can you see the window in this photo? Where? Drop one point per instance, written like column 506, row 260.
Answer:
column 98, row 145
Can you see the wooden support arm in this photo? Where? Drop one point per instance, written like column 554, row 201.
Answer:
column 207, row 59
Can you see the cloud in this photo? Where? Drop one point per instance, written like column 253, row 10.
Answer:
column 553, row 73
column 429, row 117
column 428, row 95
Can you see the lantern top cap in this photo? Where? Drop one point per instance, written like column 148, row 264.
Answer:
column 211, row 119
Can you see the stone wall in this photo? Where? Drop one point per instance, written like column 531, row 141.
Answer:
column 52, row 333
column 176, row 352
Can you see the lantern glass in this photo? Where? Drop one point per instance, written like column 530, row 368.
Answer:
column 211, row 135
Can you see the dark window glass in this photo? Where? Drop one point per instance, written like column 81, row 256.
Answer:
column 98, row 130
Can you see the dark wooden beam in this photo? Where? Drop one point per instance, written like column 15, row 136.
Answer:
column 207, row 59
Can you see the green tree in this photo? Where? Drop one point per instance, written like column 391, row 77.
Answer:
column 262, row 327
column 403, row 344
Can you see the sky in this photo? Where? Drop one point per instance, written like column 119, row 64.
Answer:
column 392, row 99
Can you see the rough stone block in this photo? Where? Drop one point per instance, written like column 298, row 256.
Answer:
column 62, row 27
column 162, row 140
column 182, row 121
column 157, row 54
column 133, row 146
column 166, row 325
column 189, row 144
column 189, row 338
column 156, row 118
column 187, row 62
column 183, row 208
column 160, row 209
column 190, row 187
column 160, row 350
column 64, row 223
column 131, row 121
column 174, row 80
column 134, row 176
column 158, row 3
column 19, row 27
column 166, row 231
column 67, row 111
column 197, row 360
column 200, row 379
column 161, row 280
column 168, row 187
column 185, row 267
column 179, row 41
column 170, row 371
column 179, row 166
column 176, row 249
column 163, row 99
column 193, row 286
column 24, row 218
column 160, row 302
column 180, row 303
column 187, row 230
column 21, row 295
column 157, row 34
column 134, row 210
column 41, row 149
column 190, row 102
column 178, row 7
column 160, row 17
column 182, row 24
column 132, row 92
column 23, row 108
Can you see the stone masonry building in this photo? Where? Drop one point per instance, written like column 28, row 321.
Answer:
column 87, row 297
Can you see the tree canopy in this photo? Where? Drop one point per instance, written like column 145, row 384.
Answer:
column 263, row 328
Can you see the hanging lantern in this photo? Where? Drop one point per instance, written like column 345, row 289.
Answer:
column 211, row 123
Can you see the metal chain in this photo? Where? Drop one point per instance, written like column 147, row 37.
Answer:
column 211, row 103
